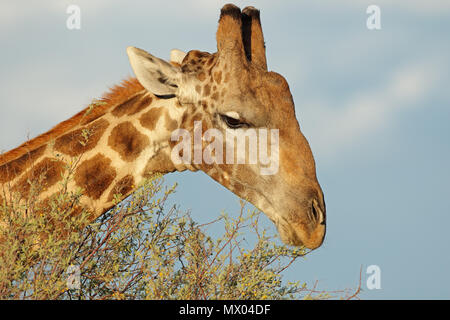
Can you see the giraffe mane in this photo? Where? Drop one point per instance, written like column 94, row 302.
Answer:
column 116, row 95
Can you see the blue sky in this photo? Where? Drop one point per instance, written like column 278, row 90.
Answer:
column 374, row 105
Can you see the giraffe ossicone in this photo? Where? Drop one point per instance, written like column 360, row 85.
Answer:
column 228, row 96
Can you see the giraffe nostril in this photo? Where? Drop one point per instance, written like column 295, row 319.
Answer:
column 316, row 212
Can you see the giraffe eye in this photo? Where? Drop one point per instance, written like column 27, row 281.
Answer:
column 233, row 123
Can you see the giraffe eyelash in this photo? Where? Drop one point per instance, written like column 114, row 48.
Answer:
column 233, row 123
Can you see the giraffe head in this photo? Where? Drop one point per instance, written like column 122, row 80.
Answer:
column 232, row 94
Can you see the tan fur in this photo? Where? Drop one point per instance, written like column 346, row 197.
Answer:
column 49, row 168
column 117, row 95
column 9, row 171
column 127, row 141
column 129, row 135
column 95, row 175
column 72, row 143
column 123, row 187
column 150, row 118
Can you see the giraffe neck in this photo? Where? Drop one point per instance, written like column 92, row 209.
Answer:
column 108, row 152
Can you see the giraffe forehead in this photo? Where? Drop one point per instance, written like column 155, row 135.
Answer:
column 255, row 94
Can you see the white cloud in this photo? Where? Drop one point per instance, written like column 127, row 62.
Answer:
column 419, row 6
column 13, row 13
column 332, row 128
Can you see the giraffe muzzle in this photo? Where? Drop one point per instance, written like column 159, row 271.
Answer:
column 309, row 231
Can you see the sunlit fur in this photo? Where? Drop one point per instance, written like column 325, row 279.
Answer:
column 130, row 135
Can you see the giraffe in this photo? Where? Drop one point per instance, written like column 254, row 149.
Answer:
column 130, row 132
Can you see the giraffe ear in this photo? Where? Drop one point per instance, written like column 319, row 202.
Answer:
column 156, row 75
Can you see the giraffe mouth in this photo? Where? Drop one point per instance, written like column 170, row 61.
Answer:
column 299, row 234
column 286, row 233
column 291, row 233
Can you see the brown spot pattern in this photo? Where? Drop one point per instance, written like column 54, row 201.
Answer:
column 170, row 123
column 150, row 118
column 132, row 106
column 74, row 144
column 12, row 169
column 122, row 108
column 218, row 77
column 126, row 140
column 215, row 96
column 238, row 188
column 118, row 94
column 227, row 77
column 47, row 172
column 123, row 187
column 210, row 61
column 206, row 90
column 95, row 175
column 160, row 163
column 201, row 76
